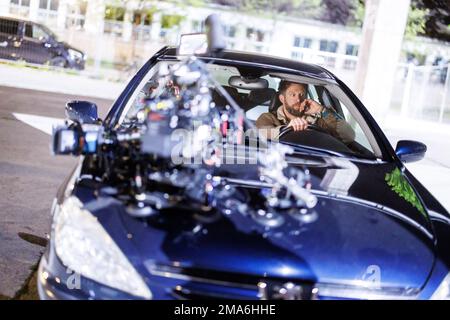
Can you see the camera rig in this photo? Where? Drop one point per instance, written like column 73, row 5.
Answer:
column 173, row 153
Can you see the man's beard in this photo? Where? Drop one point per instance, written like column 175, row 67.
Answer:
column 293, row 111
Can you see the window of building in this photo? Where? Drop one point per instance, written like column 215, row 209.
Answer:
column 301, row 42
column 351, row 49
column 296, row 55
column 229, row 31
column 328, row 46
column 143, row 17
column 198, row 26
column 114, row 13
column 255, row 34
column 49, row 4
column 169, row 21
column 23, row 3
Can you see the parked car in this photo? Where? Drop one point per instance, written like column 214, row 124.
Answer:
column 35, row 43
column 128, row 224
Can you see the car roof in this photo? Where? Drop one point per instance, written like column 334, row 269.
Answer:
column 273, row 63
column 19, row 19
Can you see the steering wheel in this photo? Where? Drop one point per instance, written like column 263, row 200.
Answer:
column 313, row 136
column 285, row 129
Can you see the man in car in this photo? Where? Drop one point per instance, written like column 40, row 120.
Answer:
column 298, row 112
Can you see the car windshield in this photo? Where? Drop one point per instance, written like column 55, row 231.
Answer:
column 49, row 32
column 272, row 103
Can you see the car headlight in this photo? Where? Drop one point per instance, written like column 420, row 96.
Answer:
column 443, row 291
column 76, row 55
column 85, row 247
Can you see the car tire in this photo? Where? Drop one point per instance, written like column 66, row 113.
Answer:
column 58, row 62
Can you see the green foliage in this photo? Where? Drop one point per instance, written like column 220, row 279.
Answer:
column 416, row 22
column 358, row 12
column 114, row 13
column 296, row 8
column 144, row 16
column 401, row 186
column 171, row 20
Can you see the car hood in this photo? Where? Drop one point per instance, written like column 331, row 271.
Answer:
column 370, row 226
column 67, row 46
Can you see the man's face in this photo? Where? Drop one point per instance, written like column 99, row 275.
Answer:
column 292, row 98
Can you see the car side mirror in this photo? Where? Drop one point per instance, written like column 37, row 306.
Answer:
column 82, row 111
column 410, row 150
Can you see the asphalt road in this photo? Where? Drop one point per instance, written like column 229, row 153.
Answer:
column 29, row 178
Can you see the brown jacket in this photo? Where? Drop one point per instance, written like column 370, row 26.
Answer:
column 330, row 121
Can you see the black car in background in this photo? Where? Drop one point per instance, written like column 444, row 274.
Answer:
column 35, row 43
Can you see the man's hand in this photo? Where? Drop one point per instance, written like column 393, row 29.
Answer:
column 298, row 124
column 311, row 107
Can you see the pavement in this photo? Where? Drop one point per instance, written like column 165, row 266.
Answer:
column 61, row 81
column 29, row 178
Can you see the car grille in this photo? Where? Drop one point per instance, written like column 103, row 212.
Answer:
column 197, row 283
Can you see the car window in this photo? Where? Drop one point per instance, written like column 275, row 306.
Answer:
column 35, row 32
column 10, row 27
column 360, row 137
column 341, row 123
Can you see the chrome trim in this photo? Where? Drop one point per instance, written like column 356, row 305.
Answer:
column 173, row 275
column 349, row 291
column 438, row 216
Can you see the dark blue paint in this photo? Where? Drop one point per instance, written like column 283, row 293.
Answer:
column 410, row 151
column 81, row 111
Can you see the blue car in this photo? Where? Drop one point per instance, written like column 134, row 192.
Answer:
column 130, row 224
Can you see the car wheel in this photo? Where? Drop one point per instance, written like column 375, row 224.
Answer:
column 58, row 62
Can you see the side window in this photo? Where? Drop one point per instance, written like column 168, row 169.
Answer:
column 312, row 93
column 33, row 31
column 9, row 27
column 28, row 30
column 360, row 137
column 327, row 99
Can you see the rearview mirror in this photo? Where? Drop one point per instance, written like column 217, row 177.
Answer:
column 410, row 150
column 82, row 111
column 212, row 42
column 193, row 43
column 248, row 83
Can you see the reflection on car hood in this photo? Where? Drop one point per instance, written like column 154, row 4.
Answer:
column 369, row 218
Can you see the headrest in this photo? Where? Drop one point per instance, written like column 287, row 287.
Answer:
column 260, row 96
column 233, row 92
column 275, row 103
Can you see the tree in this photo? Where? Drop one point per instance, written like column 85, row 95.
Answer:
column 437, row 20
column 429, row 18
column 416, row 22
column 338, row 11
column 297, row 8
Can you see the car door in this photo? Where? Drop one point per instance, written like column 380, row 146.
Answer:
column 35, row 48
column 9, row 39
